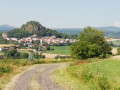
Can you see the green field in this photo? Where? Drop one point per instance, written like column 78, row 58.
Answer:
column 64, row 50
column 116, row 42
column 100, row 75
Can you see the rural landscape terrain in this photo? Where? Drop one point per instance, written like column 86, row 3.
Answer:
column 59, row 45
column 44, row 59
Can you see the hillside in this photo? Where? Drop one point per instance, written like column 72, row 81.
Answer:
column 34, row 27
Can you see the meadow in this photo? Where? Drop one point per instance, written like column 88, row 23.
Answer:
column 97, row 75
column 63, row 50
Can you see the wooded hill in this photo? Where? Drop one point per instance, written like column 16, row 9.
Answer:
column 34, row 27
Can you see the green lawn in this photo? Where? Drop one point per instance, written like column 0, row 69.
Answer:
column 101, row 75
column 64, row 50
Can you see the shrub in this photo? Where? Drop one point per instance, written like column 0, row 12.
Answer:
column 102, row 56
column 37, row 56
column 38, row 61
column 24, row 55
column 5, row 69
column 61, row 57
column 42, row 56
column 118, row 50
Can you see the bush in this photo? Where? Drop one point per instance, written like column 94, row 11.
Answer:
column 61, row 57
column 102, row 56
column 24, row 55
column 118, row 50
column 5, row 69
column 42, row 56
column 37, row 56
column 39, row 61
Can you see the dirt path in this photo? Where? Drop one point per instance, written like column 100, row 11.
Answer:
column 38, row 79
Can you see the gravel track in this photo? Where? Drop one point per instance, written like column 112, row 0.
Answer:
column 42, row 72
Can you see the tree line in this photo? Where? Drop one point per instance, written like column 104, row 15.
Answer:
column 19, row 33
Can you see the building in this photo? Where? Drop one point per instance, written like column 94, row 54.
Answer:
column 4, row 35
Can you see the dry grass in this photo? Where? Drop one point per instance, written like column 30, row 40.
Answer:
column 6, row 45
column 7, row 77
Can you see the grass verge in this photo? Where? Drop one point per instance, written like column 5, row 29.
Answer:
column 98, row 75
column 11, row 67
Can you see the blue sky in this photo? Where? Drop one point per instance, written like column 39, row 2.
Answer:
column 61, row 13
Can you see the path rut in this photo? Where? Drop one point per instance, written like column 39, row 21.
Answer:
column 42, row 74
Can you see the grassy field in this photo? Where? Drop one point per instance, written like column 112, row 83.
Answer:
column 100, row 75
column 64, row 50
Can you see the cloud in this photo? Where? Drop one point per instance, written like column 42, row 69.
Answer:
column 117, row 24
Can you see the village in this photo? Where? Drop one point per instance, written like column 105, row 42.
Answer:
column 28, row 41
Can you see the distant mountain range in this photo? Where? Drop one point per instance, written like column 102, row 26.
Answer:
column 110, row 31
column 5, row 28
column 78, row 30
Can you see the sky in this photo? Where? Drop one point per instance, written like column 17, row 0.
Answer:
column 61, row 13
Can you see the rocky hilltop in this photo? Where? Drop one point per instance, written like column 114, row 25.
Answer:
column 32, row 26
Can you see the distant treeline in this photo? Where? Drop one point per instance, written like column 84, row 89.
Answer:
column 19, row 33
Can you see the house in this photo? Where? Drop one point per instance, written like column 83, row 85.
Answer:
column 4, row 35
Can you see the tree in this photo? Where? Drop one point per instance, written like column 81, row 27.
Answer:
column 36, row 55
column 17, row 55
column 11, row 53
column 90, row 44
column 18, row 33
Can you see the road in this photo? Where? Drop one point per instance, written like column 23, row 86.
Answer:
column 38, row 78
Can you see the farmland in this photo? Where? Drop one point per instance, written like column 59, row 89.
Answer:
column 63, row 50
column 6, row 45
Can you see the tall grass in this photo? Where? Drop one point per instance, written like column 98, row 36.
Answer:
column 100, row 75
column 10, row 67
